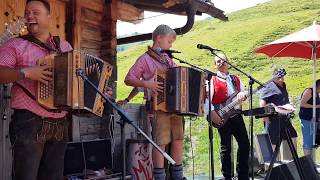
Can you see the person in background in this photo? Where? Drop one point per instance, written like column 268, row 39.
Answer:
column 277, row 94
column 305, row 115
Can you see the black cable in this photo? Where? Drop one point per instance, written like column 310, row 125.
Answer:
column 84, row 159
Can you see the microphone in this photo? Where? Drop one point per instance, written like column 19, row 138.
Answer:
column 169, row 51
column 201, row 46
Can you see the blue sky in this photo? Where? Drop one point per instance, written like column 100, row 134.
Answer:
column 148, row 25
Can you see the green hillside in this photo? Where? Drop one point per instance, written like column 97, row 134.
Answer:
column 245, row 31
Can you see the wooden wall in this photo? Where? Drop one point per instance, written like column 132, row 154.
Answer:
column 95, row 30
column 95, row 27
column 12, row 8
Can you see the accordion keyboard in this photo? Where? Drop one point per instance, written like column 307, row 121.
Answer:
column 46, row 90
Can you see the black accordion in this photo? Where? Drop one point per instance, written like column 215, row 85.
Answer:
column 67, row 90
column 183, row 92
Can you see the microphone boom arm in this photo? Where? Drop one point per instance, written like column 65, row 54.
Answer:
column 198, row 68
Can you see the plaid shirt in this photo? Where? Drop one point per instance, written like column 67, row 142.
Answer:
column 145, row 67
column 18, row 53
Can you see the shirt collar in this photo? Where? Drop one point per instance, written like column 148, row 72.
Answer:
column 225, row 75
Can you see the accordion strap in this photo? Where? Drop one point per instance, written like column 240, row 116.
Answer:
column 56, row 40
column 26, row 91
column 154, row 55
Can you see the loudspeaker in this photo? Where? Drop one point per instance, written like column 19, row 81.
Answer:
column 263, row 147
column 94, row 155
column 310, row 170
column 289, row 171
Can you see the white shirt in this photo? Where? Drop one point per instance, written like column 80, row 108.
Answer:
column 230, row 89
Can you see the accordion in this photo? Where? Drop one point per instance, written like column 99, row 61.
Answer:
column 183, row 91
column 67, row 90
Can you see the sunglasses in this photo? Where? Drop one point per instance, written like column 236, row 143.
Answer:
column 220, row 61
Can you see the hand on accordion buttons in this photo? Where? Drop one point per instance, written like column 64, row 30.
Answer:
column 154, row 86
column 38, row 73
column 122, row 102
column 109, row 92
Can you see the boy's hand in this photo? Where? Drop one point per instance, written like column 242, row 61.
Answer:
column 154, row 86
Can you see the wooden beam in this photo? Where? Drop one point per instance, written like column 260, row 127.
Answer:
column 128, row 12
column 171, row 3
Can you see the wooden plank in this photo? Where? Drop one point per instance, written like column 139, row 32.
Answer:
column 96, row 5
column 91, row 22
column 128, row 12
column 106, row 54
column 109, row 38
column 91, row 44
column 91, row 33
column 171, row 3
column 77, row 30
column 91, row 51
column 58, row 18
column 91, row 15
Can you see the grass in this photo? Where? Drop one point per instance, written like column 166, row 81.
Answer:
column 245, row 31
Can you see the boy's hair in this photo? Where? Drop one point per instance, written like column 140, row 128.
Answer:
column 163, row 30
column 46, row 3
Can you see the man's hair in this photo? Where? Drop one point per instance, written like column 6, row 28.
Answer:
column 46, row 3
column 163, row 30
column 220, row 56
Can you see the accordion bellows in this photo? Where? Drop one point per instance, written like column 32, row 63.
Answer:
column 67, row 90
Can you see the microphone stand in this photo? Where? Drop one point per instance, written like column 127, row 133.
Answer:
column 124, row 119
column 251, row 82
column 209, row 76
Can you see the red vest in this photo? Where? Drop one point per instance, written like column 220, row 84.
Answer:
column 220, row 89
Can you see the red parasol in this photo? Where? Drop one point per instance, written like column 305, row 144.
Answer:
column 302, row 44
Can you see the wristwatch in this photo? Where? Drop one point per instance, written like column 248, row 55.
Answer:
column 22, row 73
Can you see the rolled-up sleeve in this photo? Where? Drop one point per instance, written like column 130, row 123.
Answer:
column 137, row 69
column 8, row 56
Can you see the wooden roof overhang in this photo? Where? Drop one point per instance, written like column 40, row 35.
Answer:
column 190, row 8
